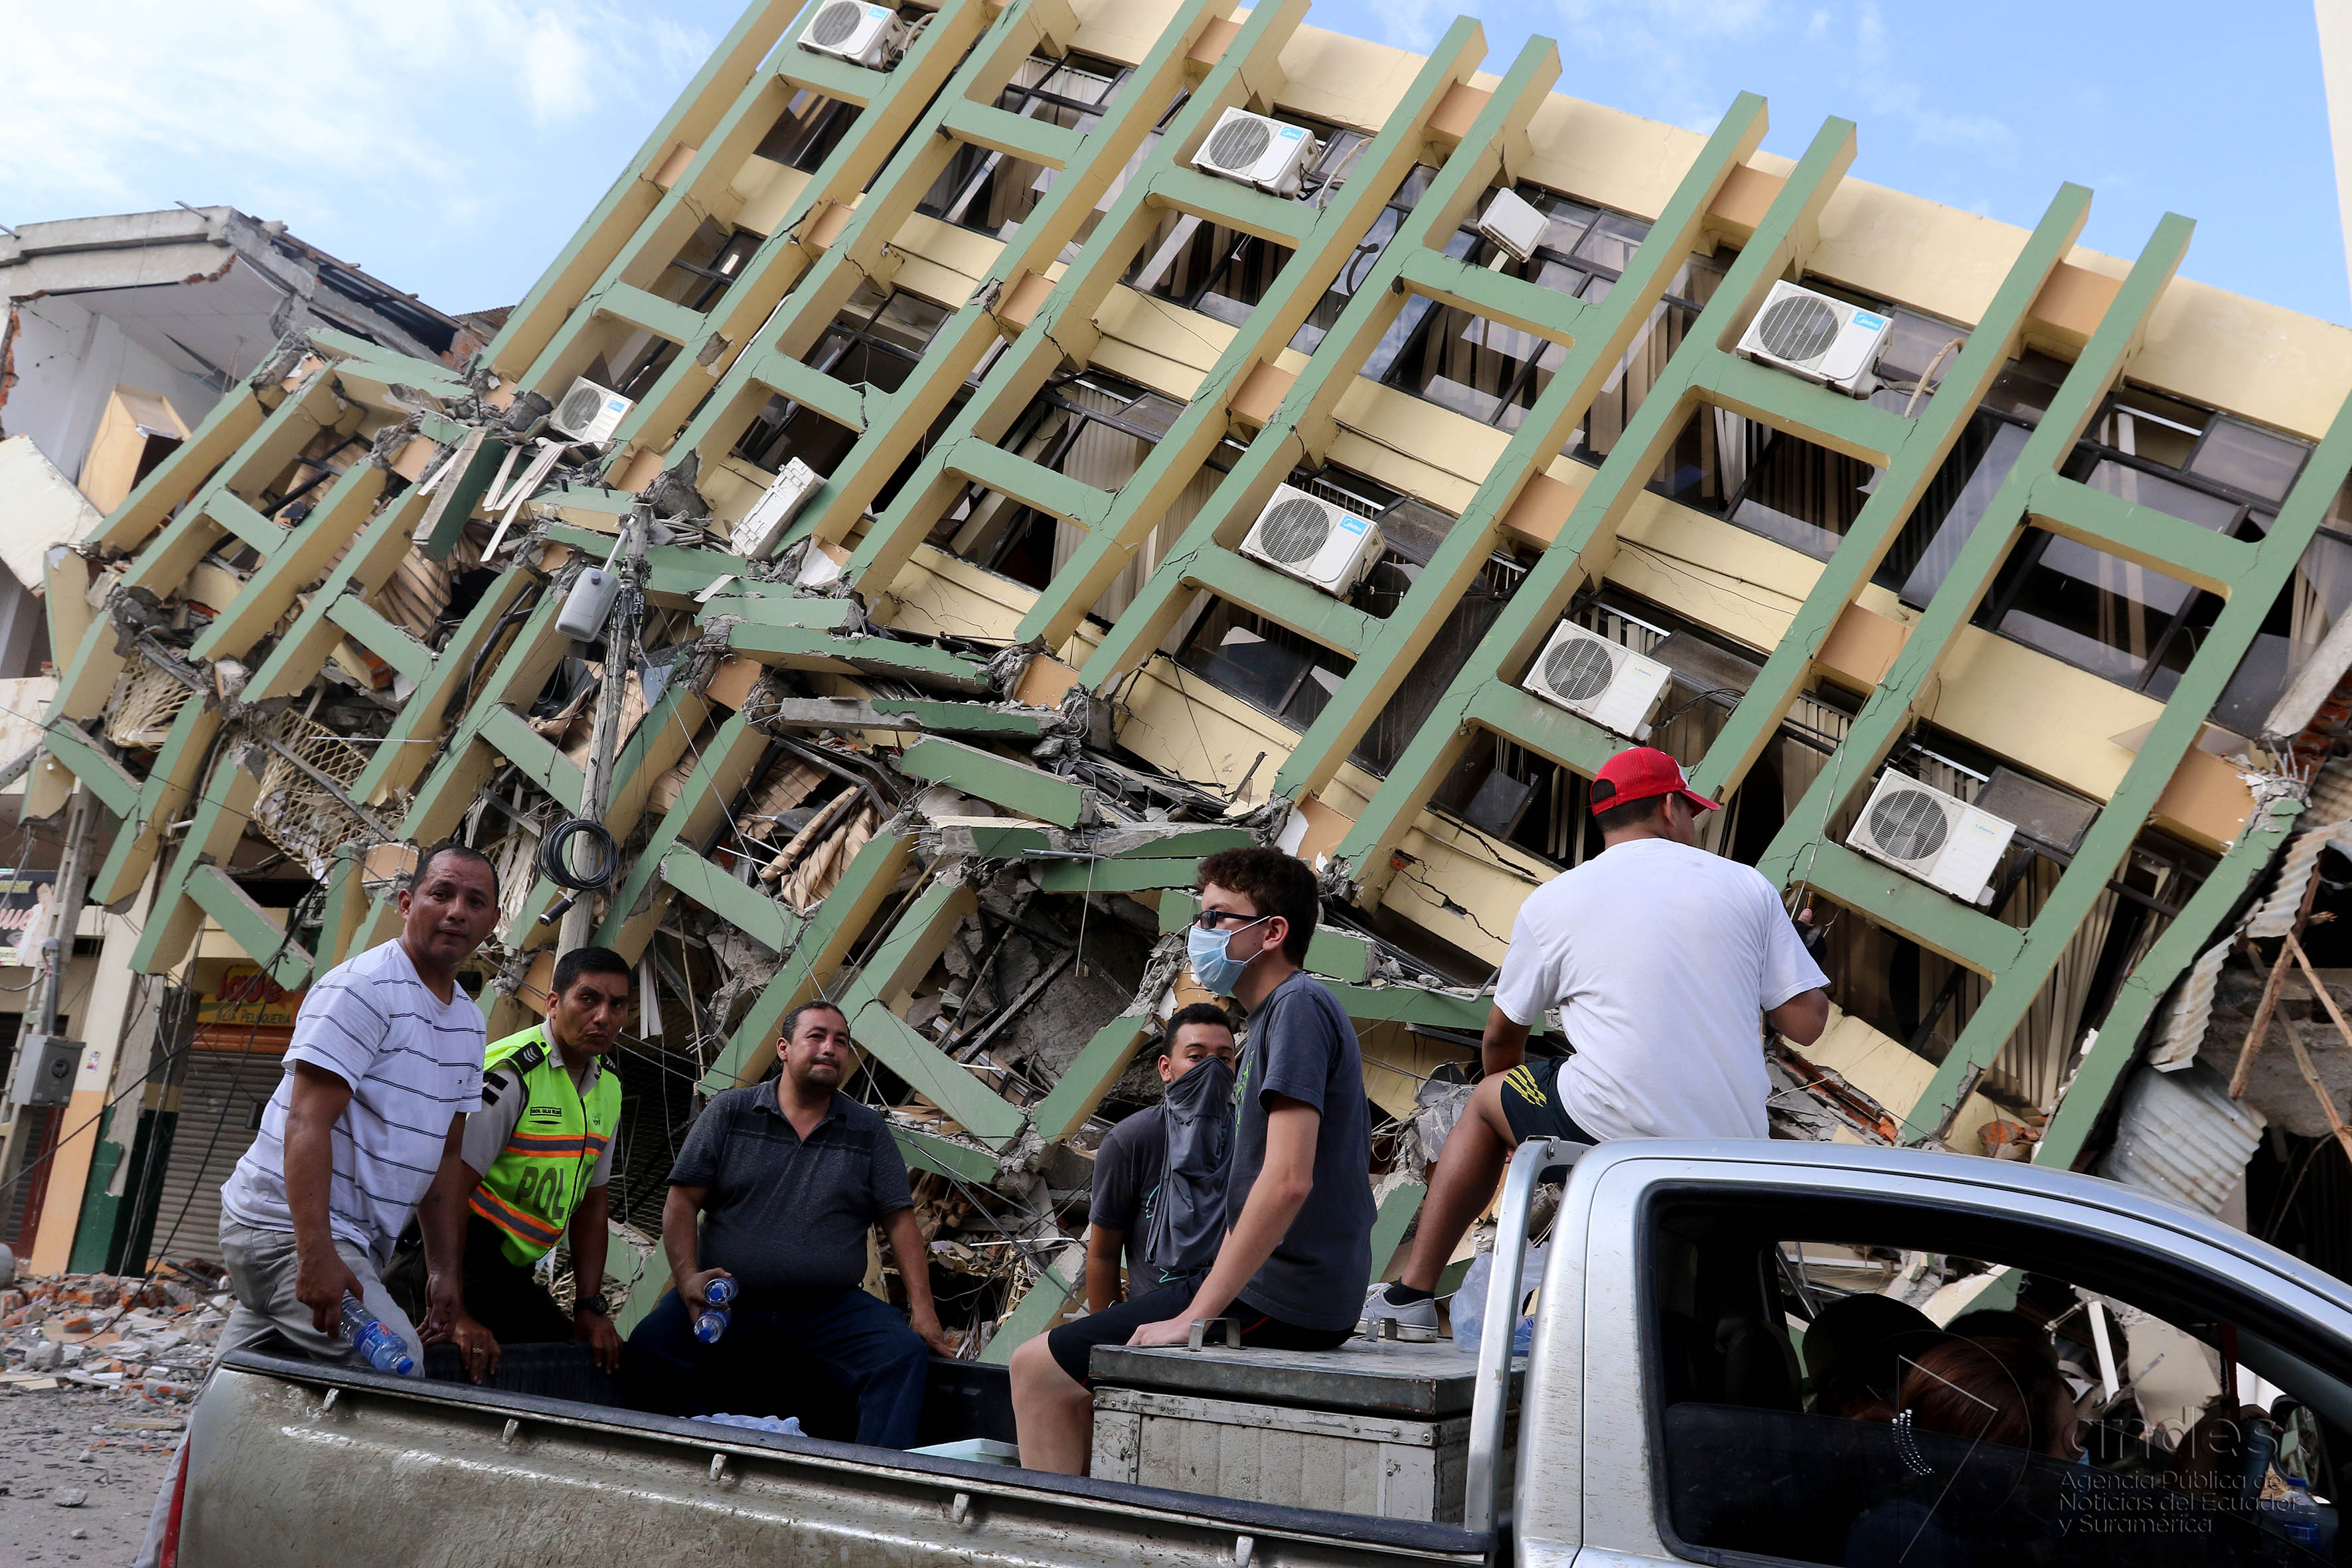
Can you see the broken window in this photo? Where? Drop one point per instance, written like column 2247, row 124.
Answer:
column 806, row 132
column 705, row 265
column 1493, row 374
column 992, row 192
column 1457, row 637
column 1360, row 261
column 874, row 343
column 1225, row 272
column 1094, row 427
column 1269, row 667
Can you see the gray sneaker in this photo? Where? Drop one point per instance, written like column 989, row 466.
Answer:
column 1378, row 1309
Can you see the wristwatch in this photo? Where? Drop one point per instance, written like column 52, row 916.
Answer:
column 596, row 1304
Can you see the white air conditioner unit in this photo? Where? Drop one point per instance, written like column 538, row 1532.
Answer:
column 590, row 412
column 1606, row 681
column 1821, row 339
column 1306, row 537
column 1920, row 830
column 1513, row 225
column 1258, row 152
column 754, row 538
column 851, row 30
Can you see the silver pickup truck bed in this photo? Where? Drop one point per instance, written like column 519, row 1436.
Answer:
column 293, row 1463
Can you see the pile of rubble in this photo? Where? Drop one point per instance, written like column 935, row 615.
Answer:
column 152, row 1337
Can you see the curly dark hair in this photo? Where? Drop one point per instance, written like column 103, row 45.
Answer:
column 1276, row 883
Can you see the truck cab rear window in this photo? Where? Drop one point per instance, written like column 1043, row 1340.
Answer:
column 1838, row 1396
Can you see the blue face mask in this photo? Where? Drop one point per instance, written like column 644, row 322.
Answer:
column 1215, row 970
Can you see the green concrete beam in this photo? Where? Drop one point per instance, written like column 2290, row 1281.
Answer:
column 1015, row 135
column 746, row 909
column 1970, row 375
column 396, row 645
column 510, row 734
column 2141, row 534
column 1100, row 1064
column 2103, row 1063
column 1174, row 462
column 1286, row 601
column 1064, row 324
column 458, row 493
column 1031, row 790
column 70, row 744
column 796, row 649
column 931, row 1073
column 1030, row 483
column 925, row 1151
column 1036, row 1311
column 721, row 771
column 1587, row 540
column 665, row 319
column 251, row 927
column 823, row 943
column 1114, row 876
column 1389, row 1226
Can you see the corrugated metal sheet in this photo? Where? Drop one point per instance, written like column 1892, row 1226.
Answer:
column 2192, row 1010
column 2180, row 1136
column 2274, row 916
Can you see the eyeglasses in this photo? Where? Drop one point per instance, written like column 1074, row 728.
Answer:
column 1209, row 920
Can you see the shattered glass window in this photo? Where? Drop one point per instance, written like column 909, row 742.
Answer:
column 1271, row 667
column 991, row 192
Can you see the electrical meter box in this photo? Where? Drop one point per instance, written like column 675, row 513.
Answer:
column 44, row 1070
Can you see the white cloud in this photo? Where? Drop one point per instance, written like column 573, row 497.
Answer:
column 326, row 113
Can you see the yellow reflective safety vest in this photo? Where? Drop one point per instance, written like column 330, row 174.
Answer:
column 539, row 1177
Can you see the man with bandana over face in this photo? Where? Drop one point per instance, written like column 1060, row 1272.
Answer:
column 1293, row 1265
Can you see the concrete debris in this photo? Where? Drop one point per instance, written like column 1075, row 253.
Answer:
column 148, row 1340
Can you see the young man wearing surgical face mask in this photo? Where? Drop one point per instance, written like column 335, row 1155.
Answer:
column 1299, row 1201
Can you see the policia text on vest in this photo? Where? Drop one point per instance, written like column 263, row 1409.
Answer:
column 528, row 1168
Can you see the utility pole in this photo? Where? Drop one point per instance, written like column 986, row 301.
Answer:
column 65, row 905
column 620, row 661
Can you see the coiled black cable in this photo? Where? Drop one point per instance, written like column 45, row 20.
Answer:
column 555, row 859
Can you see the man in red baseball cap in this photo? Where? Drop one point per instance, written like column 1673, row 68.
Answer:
column 1660, row 960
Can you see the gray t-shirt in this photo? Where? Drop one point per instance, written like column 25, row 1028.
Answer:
column 782, row 1214
column 1302, row 1046
column 1127, row 1178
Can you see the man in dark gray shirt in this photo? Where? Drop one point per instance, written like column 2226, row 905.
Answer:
column 1294, row 1263
column 787, row 1178
column 1132, row 1160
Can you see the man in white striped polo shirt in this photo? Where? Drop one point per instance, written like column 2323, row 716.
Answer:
column 386, row 1062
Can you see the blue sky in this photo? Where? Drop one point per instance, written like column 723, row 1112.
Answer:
column 451, row 146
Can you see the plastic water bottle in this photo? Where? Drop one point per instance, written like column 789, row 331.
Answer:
column 2299, row 1514
column 713, row 1322
column 365, row 1332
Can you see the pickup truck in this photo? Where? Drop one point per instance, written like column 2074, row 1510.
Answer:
column 1662, row 1417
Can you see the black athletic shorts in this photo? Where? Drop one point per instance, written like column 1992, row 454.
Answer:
column 1531, row 1103
column 1073, row 1344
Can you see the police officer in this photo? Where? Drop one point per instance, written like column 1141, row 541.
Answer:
column 535, row 1162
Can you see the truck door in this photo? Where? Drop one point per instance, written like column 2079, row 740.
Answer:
column 1866, row 1358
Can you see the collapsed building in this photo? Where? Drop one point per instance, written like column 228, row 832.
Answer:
column 1031, row 447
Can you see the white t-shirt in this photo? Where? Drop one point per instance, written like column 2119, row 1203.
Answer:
column 413, row 1062
column 1660, row 959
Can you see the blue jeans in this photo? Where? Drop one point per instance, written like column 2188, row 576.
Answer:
column 777, row 1352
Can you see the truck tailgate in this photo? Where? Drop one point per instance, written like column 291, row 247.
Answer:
column 293, row 1463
